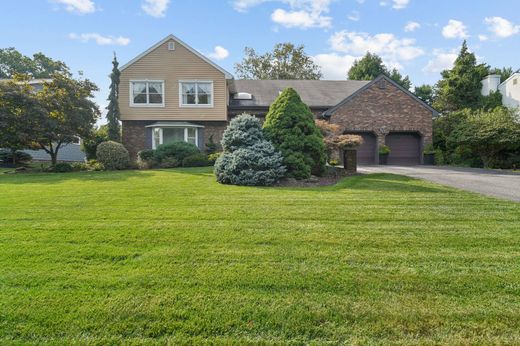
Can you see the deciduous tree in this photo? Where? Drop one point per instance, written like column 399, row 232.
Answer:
column 371, row 66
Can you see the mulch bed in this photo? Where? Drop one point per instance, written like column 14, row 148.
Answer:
column 331, row 177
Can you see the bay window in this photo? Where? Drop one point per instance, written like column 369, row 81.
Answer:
column 147, row 93
column 196, row 94
column 171, row 134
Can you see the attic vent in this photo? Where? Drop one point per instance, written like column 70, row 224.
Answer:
column 515, row 81
column 171, row 45
column 382, row 84
column 243, row 96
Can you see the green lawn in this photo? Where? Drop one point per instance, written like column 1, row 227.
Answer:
column 171, row 256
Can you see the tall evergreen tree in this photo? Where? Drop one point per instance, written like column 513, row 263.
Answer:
column 113, row 114
column 460, row 87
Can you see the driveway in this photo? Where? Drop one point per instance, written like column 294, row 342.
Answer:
column 505, row 185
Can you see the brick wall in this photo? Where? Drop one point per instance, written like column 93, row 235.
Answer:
column 382, row 110
column 134, row 136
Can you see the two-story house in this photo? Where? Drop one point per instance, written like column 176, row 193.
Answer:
column 171, row 93
column 510, row 88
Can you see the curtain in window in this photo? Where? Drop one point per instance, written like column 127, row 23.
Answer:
column 155, row 92
column 204, row 93
column 189, row 94
column 139, row 92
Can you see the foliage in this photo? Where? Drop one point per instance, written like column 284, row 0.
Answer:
column 460, row 87
column 69, row 112
column 20, row 116
column 286, row 61
column 370, row 66
column 492, row 101
column 248, row 157
column 290, row 126
column 169, row 162
column 12, row 62
column 333, row 162
column 113, row 112
column 79, row 166
column 429, row 149
column 384, row 149
column 425, row 92
column 211, row 146
column 492, row 135
column 62, row 167
column 212, row 158
column 176, row 150
column 146, row 155
column 113, row 155
column 95, row 165
column 196, row 160
column 20, row 157
column 504, row 72
column 90, row 143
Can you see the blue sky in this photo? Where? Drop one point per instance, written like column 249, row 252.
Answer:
column 420, row 37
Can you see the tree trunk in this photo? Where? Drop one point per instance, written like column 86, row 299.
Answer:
column 13, row 151
column 54, row 157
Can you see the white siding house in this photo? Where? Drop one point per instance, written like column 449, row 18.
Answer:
column 510, row 88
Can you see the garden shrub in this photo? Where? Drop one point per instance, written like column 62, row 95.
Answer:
column 384, row 149
column 248, row 157
column 62, row 167
column 176, row 150
column 113, row 155
column 89, row 144
column 290, row 126
column 212, row 158
column 145, row 159
column 196, row 160
column 211, row 146
column 95, row 165
column 169, row 162
column 79, row 166
column 6, row 157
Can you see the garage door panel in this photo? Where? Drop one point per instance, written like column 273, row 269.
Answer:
column 366, row 153
column 404, row 148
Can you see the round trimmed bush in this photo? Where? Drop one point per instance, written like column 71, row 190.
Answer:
column 176, row 150
column 113, row 155
column 196, row 160
column 63, row 167
column 248, row 158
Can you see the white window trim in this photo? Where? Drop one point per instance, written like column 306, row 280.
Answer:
column 161, row 139
column 182, row 105
column 146, row 105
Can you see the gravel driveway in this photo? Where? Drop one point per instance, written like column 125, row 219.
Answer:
column 489, row 182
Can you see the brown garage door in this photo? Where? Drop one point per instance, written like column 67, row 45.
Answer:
column 366, row 153
column 405, row 148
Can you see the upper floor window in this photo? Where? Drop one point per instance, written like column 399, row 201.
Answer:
column 195, row 94
column 147, row 93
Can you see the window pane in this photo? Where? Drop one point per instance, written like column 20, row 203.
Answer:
column 140, row 98
column 204, row 90
column 192, row 135
column 188, row 93
column 173, row 134
column 155, row 98
column 139, row 92
column 155, row 88
column 156, row 137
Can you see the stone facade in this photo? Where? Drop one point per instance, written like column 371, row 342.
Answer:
column 215, row 129
column 383, row 108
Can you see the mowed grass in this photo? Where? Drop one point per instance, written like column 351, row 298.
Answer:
column 170, row 256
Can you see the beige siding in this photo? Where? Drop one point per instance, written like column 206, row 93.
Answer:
column 173, row 66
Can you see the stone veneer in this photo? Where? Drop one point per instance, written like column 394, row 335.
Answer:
column 384, row 110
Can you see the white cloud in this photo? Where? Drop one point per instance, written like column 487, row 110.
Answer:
column 100, row 39
column 392, row 50
column 501, row 27
column 301, row 14
column 482, row 37
column 219, row 53
column 155, row 8
column 442, row 60
column 455, row 29
column 400, row 4
column 354, row 16
column 412, row 26
column 334, row 66
column 77, row 6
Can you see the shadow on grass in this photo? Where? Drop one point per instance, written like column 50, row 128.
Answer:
column 53, row 178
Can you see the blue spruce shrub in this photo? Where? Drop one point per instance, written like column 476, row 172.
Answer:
column 248, row 158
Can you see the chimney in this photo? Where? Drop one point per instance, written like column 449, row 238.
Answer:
column 490, row 83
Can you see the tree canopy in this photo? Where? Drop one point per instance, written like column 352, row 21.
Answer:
column 113, row 114
column 460, row 87
column 425, row 93
column 286, row 61
column 370, row 66
column 13, row 62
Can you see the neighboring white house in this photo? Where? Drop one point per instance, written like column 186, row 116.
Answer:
column 510, row 88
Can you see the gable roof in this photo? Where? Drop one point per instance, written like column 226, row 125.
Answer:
column 330, row 111
column 194, row 51
column 314, row 93
column 513, row 75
